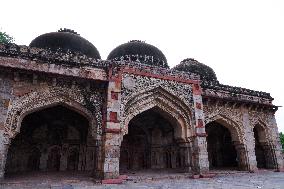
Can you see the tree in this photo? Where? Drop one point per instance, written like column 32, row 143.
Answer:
column 5, row 38
column 282, row 139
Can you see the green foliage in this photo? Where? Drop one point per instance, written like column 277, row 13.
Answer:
column 282, row 139
column 5, row 38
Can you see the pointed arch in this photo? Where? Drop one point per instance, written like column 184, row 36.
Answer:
column 262, row 130
column 169, row 105
column 234, row 127
column 40, row 100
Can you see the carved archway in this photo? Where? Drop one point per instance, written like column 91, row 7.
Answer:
column 234, row 127
column 169, row 105
column 39, row 100
column 237, row 139
column 263, row 130
column 264, row 148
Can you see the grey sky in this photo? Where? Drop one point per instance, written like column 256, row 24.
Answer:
column 243, row 41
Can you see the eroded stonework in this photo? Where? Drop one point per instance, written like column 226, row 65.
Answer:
column 133, row 116
column 50, row 96
column 140, row 93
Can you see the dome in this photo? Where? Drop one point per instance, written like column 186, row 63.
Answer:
column 139, row 51
column 66, row 39
column 190, row 65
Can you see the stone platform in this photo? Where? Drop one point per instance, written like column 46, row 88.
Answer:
column 81, row 180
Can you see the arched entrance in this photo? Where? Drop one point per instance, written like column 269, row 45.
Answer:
column 51, row 139
column 265, row 157
column 151, row 144
column 221, row 151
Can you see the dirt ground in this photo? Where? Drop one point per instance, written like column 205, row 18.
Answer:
column 143, row 180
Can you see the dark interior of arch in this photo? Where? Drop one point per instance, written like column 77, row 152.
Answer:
column 150, row 144
column 52, row 139
column 221, row 151
column 259, row 148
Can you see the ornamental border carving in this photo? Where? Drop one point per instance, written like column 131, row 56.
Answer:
column 48, row 97
column 142, row 84
column 267, row 123
column 232, row 119
column 161, row 97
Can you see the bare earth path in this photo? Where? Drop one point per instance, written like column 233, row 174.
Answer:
column 229, row 180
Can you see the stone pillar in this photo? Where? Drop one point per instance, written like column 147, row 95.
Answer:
column 4, row 146
column 111, row 155
column 186, row 150
column 275, row 144
column 43, row 161
column 63, row 157
column 112, row 131
column 241, row 156
column 200, row 163
column 278, row 156
column 269, row 156
column 249, row 143
column 82, row 158
column 99, row 161
column 173, row 159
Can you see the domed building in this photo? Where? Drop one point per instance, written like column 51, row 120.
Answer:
column 139, row 51
column 66, row 40
column 62, row 108
column 191, row 65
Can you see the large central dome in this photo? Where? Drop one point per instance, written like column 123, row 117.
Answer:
column 139, row 51
column 66, row 39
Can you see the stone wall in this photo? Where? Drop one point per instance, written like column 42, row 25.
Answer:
column 23, row 93
column 241, row 119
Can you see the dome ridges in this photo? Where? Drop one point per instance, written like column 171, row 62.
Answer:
column 206, row 73
column 66, row 40
column 140, row 52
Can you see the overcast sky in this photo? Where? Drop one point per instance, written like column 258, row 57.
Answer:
column 242, row 40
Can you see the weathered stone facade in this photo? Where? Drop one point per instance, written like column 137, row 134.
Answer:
column 132, row 115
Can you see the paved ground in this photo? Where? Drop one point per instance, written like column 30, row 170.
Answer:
column 229, row 180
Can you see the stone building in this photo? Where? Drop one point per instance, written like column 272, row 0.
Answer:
column 63, row 108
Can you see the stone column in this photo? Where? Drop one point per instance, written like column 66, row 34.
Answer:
column 200, row 163
column 43, row 161
column 249, row 143
column 278, row 155
column 111, row 155
column 275, row 143
column 270, row 156
column 186, row 150
column 4, row 146
column 112, row 132
column 99, row 161
column 242, row 156
column 173, row 160
column 63, row 161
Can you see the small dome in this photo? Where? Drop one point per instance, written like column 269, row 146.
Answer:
column 66, row 39
column 190, row 65
column 139, row 51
